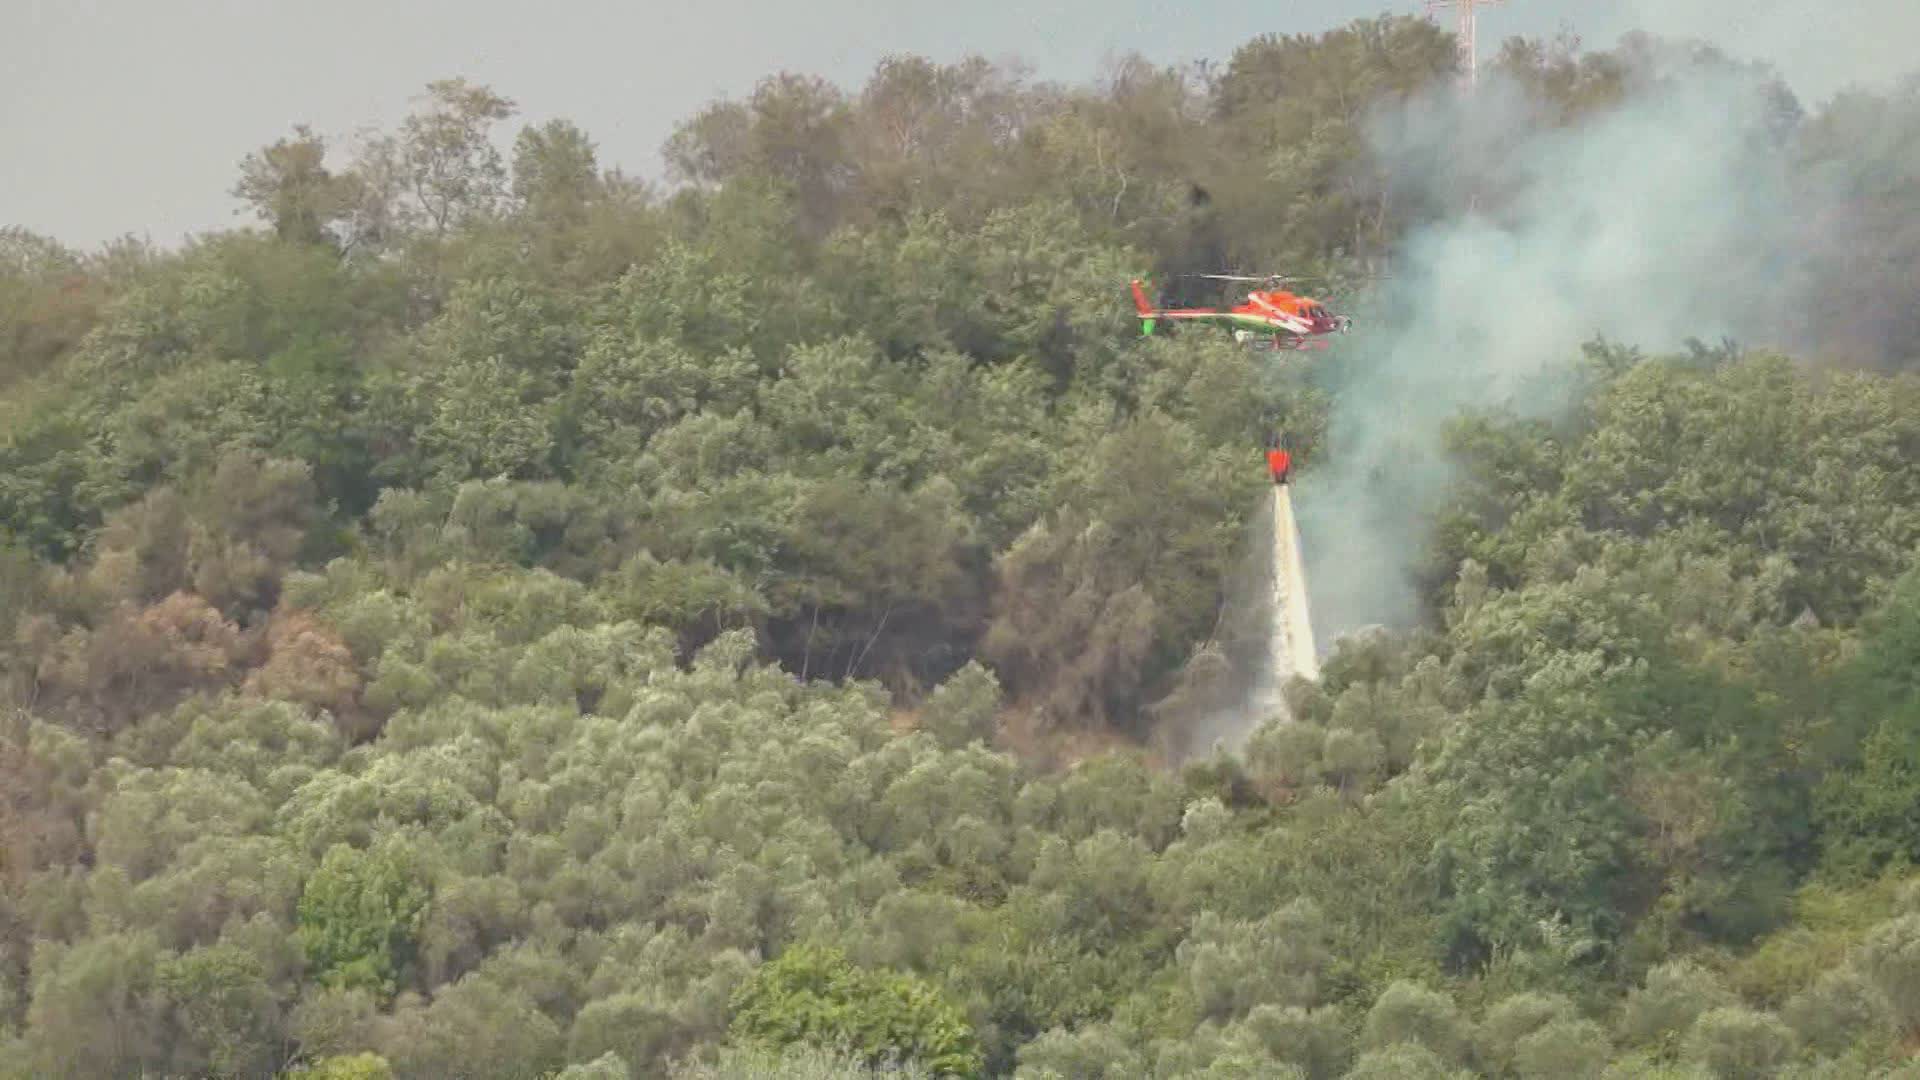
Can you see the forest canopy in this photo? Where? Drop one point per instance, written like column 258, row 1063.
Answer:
column 491, row 616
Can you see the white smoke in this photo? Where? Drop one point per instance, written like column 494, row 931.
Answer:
column 1820, row 49
column 1666, row 218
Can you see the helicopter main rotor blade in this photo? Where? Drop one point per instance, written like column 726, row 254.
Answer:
column 1245, row 277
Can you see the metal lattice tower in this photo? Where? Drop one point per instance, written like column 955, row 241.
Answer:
column 1469, row 53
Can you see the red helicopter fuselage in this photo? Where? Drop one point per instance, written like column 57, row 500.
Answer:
column 1291, row 320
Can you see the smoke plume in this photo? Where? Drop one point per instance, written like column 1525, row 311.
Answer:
column 1820, row 49
column 1666, row 217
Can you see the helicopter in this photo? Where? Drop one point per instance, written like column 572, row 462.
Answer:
column 1273, row 317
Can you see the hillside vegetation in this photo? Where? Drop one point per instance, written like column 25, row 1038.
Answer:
column 493, row 618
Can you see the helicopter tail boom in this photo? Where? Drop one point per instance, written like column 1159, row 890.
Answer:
column 1140, row 303
column 1145, row 309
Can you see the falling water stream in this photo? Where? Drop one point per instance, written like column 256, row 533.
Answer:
column 1266, row 638
column 1290, row 646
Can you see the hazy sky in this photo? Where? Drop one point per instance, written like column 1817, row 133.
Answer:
column 124, row 116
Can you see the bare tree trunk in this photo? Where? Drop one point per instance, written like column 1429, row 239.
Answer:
column 806, row 655
column 884, row 616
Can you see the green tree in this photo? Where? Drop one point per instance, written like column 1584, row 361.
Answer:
column 813, row 995
column 554, row 173
column 49, row 299
column 360, row 917
column 1675, row 995
column 96, row 1010
column 347, row 1067
column 1409, row 1013
column 289, row 185
column 474, row 1027
column 1736, row 1041
column 1840, row 1008
column 1569, row 1048
column 1402, row 1061
column 1280, row 960
column 225, row 1008
column 446, row 155
column 962, row 709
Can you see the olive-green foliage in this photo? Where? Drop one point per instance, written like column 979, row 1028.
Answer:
column 962, row 709
column 1674, row 996
column 1664, row 656
column 94, row 1011
column 799, row 1062
column 360, row 918
column 224, row 1006
column 1840, row 1008
column 813, row 995
column 1890, row 957
column 501, row 620
column 630, row 1027
column 1634, row 1066
column 1221, row 1053
column 1516, row 1017
column 1403, row 1061
column 1235, row 966
column 1569, row 1048
column 1737, row 1041
column 1092, row 1051
column 1410, row 1013
column 477, row 1027
column 346, row 1067
column 47, row 302
column 1315, row 1041
column 1859, row 805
